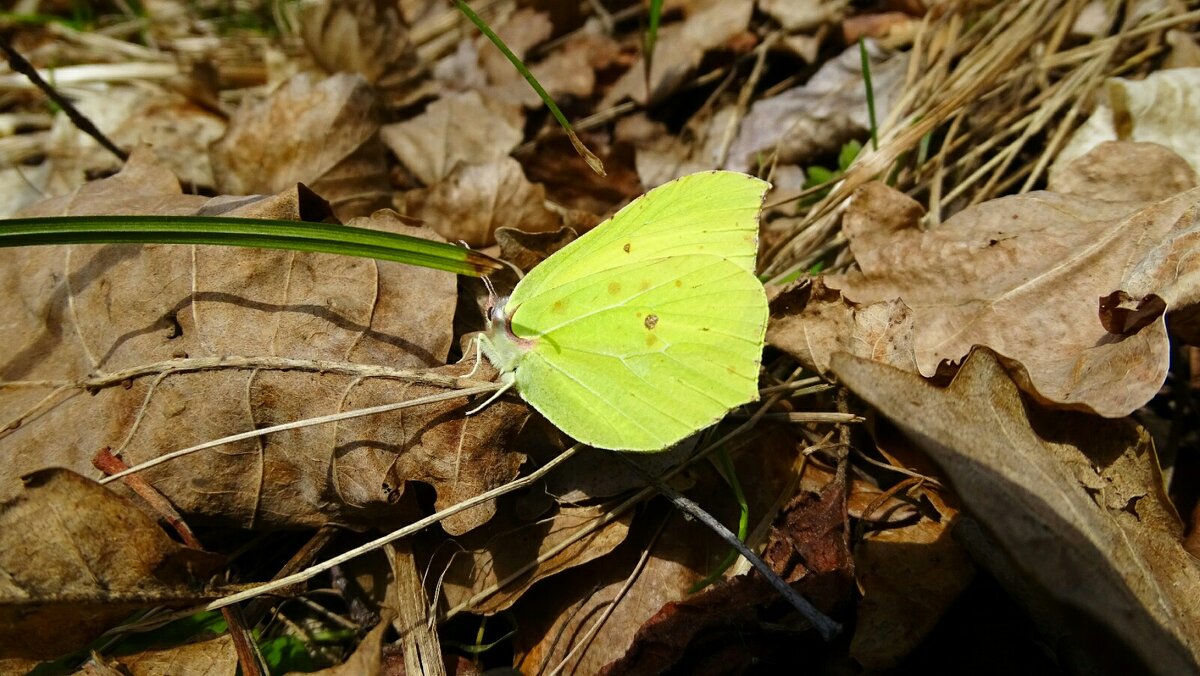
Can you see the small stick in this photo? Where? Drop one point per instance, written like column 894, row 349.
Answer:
column 19, row 64
column 248, row 656
column 825, row 626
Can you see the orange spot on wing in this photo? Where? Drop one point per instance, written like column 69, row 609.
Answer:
column 559, row 306
column 651, row 340
column 614, row 288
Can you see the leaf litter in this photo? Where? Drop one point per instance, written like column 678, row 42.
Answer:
column 1007, row 340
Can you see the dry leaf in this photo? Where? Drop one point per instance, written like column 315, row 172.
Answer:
column 480, row 560
column 663, row 156
column 1022, row 275
column 323, row 133
column 475, row 199
column 819, row 116
column 863, row 495
column 177, row 130
column 802, row 15
column 520, row 30
column 911, row 573
column 90, row 312
column 527, row 249
column 367, row 659
column 560, row 613
column 367, row 37
column 1109, row 577
column 75, row 559
column 595, row 474
column 811, row 322
column 1185, row 53
column 214, row 657
column 807, row 547
column 909, row 577
column 1123, row 171
column 452, row 130
column 680, row 47
column 568, row 71
column 1164, row 108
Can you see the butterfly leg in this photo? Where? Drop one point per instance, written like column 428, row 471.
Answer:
column 478, row 355
column 509, row 381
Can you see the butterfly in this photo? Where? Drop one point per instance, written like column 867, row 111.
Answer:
column 649, row 327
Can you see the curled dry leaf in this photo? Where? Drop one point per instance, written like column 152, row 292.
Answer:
column 909, row 573
column 452, row 130
column 323, row 133
column 75, row 558
column 1022, row 275
column 218, row 341
column 1099, row 557
column 476, row 199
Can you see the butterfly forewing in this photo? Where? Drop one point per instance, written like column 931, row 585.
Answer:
column 712, row 213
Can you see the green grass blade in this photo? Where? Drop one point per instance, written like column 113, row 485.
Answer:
column 724, row 465
column 866, row 72
column 247, row 232
column 653, row 17
column 588, row 156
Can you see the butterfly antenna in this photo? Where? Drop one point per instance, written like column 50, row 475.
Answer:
column 491, row 304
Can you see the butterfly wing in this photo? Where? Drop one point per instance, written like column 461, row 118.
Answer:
column 638, row 356
column 711, row 212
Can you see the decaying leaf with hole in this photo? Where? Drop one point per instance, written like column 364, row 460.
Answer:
column 1071, row 291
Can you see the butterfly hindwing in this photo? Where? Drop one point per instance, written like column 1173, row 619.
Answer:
column 639, row 356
